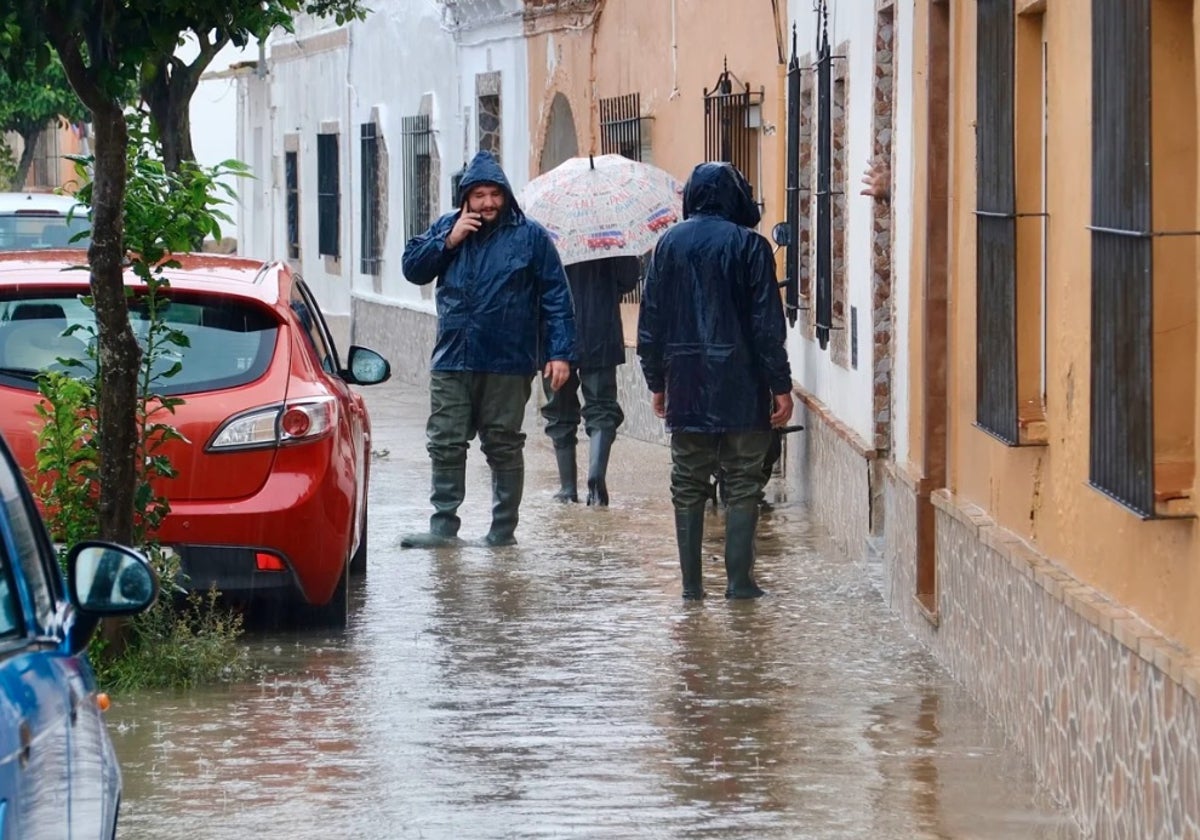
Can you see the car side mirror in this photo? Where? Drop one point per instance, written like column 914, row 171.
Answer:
column 782, row 234
column 107, row 579
column 366, row 367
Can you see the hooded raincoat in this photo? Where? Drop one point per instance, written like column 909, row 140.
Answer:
column 503, row 302
column 711, row 331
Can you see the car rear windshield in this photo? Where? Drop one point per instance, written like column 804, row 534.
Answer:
column 38, row 230
column 229, row 342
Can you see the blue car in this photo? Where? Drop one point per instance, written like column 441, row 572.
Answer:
column 58, row 772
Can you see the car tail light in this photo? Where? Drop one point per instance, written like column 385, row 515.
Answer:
column 264, row 561
column 292, row 422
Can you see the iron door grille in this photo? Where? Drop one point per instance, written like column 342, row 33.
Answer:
column 371, row 238
column 291, row 177
column 328, row 196
column 1121, row 460
column 996, row 225
column 417, row 170
column 621, row 126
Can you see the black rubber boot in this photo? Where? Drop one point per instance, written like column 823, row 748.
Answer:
column 689, row 536
column 449, row 489
column 567, row 475
column 601, row 446
column 507, row 488
column 741, row 522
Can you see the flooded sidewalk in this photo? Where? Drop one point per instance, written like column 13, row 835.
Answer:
column 562, row 688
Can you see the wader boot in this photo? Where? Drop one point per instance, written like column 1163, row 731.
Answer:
column 567, row 475
column 741, row 522
column 601, row 446
column 449, row 489
column 507, row 487
column 689, row 535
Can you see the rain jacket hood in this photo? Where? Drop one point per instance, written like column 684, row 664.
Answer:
column 719, row 189
column 485, row 169
column 711, row 331
column 503, row 302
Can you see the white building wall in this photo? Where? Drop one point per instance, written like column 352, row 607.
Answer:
column 847, row 392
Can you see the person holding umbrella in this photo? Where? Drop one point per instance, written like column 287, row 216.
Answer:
column 504, row 310
column 604, row 212
column 711, row 339
column 596, row 289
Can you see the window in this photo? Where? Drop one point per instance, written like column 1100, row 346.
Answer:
column 1143, row 342
column 995, row 224
column 34, row 554
column 315, row 331
column 372, row 228
column 291, row 175
column 488, row 113
column 328, row 195
column 418, row 166
column 621, row 126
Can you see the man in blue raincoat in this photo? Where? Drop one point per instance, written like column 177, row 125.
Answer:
column 504, row 309
column 711, row 340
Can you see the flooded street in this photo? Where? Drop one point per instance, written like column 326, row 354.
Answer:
column 562, row 688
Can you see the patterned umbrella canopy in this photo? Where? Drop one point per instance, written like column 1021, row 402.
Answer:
column 603, row 206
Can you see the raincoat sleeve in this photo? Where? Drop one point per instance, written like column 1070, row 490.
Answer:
column 557, row 309
column 426, row 256
column 649, row 340
column 769, row 329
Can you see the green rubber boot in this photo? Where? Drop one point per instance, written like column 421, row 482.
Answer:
column 689, row 536
column 741, row 522
column 449, row 489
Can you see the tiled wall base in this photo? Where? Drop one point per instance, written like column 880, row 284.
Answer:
column 1105, row 709
column 405, row 336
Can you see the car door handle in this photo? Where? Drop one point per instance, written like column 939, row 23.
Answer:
column 74, row 705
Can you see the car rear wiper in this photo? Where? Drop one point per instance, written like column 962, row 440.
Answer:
column 20, row 373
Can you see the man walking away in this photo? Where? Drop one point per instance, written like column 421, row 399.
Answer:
column 596, row 289
column 503, row 304
column 711, row 337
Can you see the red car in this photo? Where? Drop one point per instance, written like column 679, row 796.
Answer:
column 271, row 493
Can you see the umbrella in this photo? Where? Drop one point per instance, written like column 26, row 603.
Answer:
column 603, row 206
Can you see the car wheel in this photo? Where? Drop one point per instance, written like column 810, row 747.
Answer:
column 358, row 563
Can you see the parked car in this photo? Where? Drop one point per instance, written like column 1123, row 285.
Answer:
column 58, row 772
column 270, row 500
column 39, row 221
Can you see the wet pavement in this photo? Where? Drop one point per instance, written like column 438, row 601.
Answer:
column 561, row 688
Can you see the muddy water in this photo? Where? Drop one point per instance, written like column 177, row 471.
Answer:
column 561, row 688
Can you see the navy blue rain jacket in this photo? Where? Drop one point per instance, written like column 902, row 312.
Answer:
column 503, row 302
column 711, row 331
column 596, row 288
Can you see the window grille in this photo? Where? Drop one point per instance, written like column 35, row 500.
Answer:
column 792, row 207
column 824, row 302
column 291, row 175
column 372, row 238
column 621, row 126
column 732, row 114
column 328, row 195
column 1121, row 462
column 417, row 138
column 996, row 224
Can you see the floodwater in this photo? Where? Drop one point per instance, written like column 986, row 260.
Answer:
column 561, row 688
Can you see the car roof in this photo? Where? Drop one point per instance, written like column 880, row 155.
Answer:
column 14, row 202
column 212, row 273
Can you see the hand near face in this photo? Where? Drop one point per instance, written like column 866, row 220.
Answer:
column 557, row 372
column 658, row 403
column 466, row 224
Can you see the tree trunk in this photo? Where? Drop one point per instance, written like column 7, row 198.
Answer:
column 118, row 354
column 26, row 161
column 168, row 93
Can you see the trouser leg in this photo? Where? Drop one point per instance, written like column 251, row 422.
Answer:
column 447, row 432
column 602, row 415
column 561, row 413
column 501, row 413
